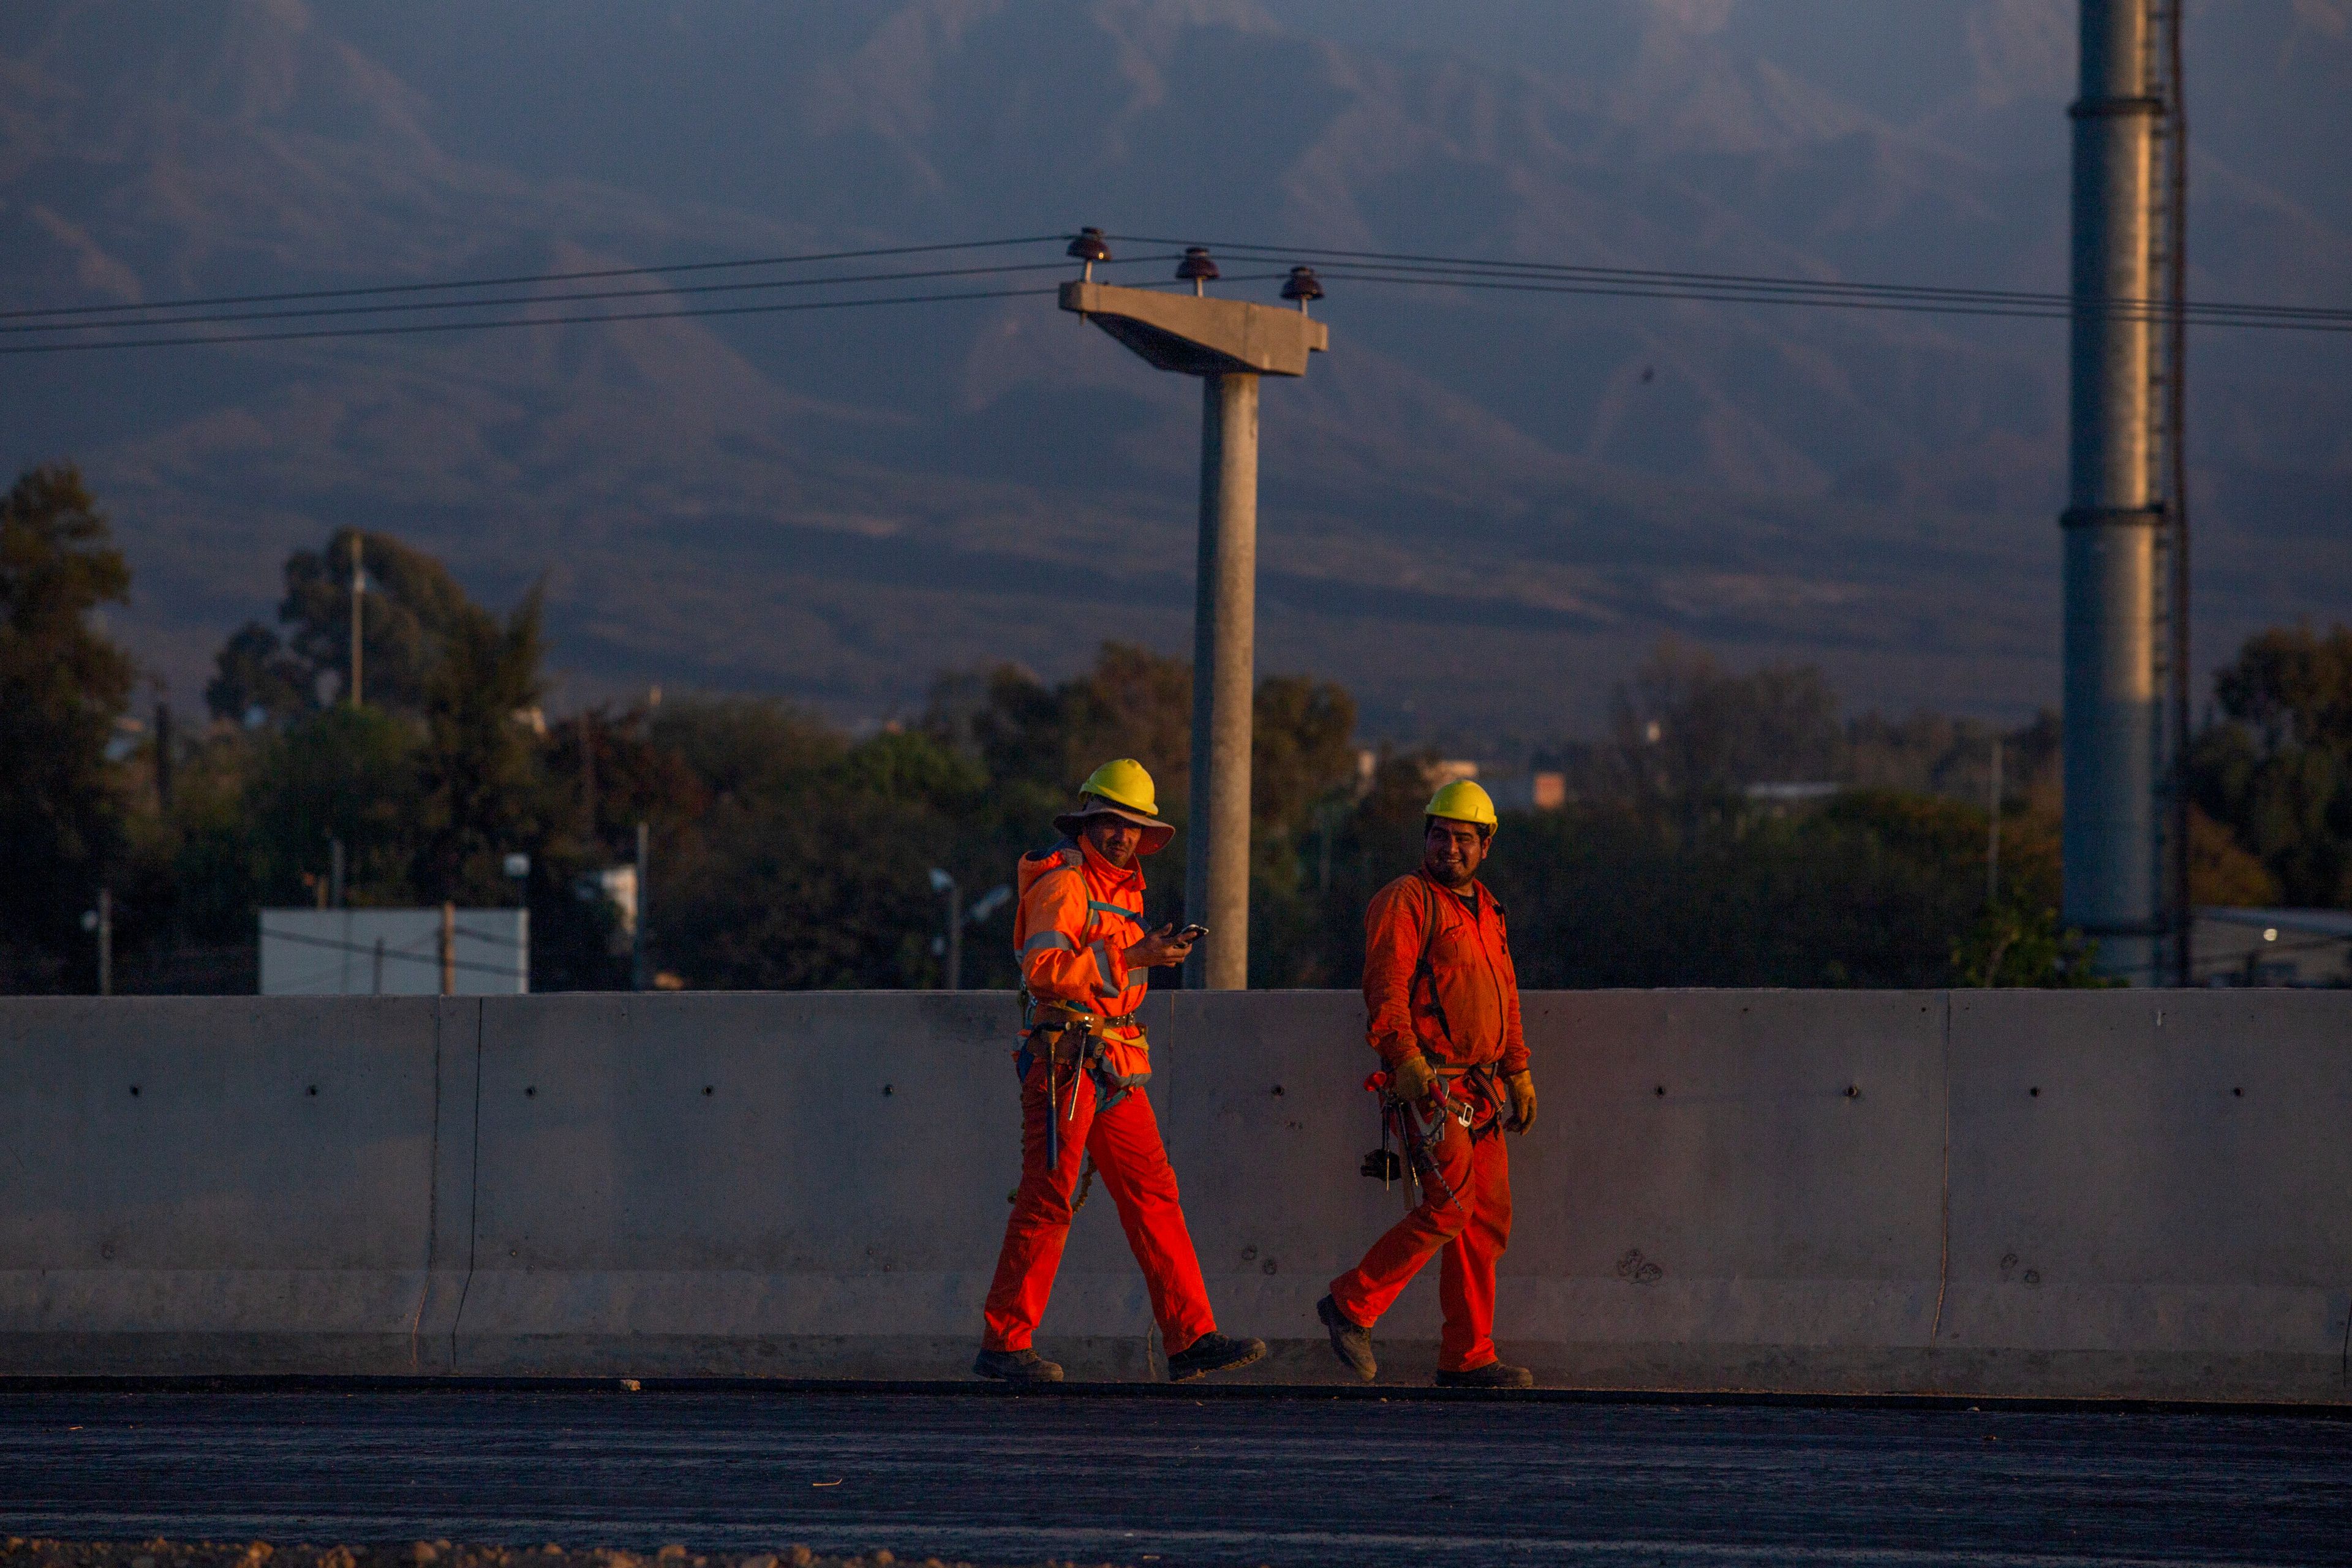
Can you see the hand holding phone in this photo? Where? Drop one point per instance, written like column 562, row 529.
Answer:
column 1165, row 946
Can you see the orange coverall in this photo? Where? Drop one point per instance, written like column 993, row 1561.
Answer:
column 1438, row 979
column 1079, row 915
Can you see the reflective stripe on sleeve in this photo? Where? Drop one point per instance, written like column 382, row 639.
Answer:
column 1049, row 939
column 1102, row 964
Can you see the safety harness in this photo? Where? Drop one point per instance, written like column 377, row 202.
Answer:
column 1473, row 1096
column 1069, row 1038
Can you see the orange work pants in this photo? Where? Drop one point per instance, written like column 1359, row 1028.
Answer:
column 1470, row 1230
column 1133, row 1164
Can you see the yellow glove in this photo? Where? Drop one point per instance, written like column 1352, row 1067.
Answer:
column 1522, row 1088
column 1411, row 1078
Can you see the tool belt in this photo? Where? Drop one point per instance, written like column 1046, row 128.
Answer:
column 1071, row 1034
column 1070, row 1039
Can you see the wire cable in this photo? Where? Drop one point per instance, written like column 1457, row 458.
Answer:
column 414, row 327
column 400, row 953
column 2056, row 308
column 1366, row 265
column 1393, row 268
column 559, row 299
column 518, row 279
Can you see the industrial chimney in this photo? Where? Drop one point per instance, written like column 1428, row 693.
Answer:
column 2125, row 563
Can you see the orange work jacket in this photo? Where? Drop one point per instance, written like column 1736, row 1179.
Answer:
column 1438, row 979
column 1078, row 916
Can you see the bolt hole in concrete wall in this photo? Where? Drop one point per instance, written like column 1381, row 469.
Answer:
column 419, row 1220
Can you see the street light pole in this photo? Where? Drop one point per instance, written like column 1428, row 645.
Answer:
column 951, row 946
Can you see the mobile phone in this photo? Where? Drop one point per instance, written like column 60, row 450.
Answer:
column 1192, row 932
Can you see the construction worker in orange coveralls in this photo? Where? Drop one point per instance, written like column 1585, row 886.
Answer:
column 1085, row 956
column 1444, row 1017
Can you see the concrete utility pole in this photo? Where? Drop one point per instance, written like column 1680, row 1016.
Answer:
column 1992, row 827
column 2113, row 725
column 106, row 941
column 638, row 979
column 1229, row 345
column 359, row 594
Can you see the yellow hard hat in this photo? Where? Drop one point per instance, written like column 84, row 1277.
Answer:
column 1463, row 801
column 1124, row 781
column 1120, row 788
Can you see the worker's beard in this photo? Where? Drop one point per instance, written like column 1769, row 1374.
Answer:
column 1453, row 874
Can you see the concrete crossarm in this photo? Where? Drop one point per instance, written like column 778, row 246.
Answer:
column 1198, row 336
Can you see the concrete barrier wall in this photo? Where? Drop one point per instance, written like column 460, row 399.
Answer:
column 259, row 1184
column 2128, row 1193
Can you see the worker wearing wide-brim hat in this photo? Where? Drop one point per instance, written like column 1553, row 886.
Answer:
column 1442, row 1000
column 1085, row 956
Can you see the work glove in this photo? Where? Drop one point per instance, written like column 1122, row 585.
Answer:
column 1522, row 1088
column 1411, row 1078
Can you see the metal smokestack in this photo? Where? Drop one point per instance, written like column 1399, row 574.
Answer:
column 2112, row 702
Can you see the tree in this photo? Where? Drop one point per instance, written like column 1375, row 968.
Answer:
column 342, row 772
column 2019, row 943
column 1302, row 772
column 62, row 685
column 1688, row 736
column 1132, row 703
column 825, row 883
column 2278, row 771
column 482, row 794
column 254, row 675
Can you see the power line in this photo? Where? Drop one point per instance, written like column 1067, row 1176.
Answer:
column 1367, row 263
column 318, row 333
column 1388, row 268
column 518, row 279
column 401, row 954
column 557, row 299
column 2056, row 310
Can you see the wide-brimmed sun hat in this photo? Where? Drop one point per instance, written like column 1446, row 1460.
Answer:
column 1122, row 788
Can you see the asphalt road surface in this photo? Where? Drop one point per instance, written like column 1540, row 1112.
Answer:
column 1176, row 1480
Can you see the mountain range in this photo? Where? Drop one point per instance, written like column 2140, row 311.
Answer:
column 1479, row 507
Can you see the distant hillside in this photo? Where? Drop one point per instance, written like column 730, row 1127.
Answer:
column 1479, row 508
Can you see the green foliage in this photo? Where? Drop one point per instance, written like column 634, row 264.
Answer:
column 1607, row 899
column 2021, row 945
column 2277, row 774
column 786, row 854
column 827, row 886
column 746, row 749
column 481, row 791
column 62, row 685
column 1686, row 736
column 341, row 773
column 1132, row 703
column 411, row 610
column 255, row 678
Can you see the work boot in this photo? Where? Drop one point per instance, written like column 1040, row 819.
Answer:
column 1493, row 1375
column 1213, row 1352
column 1350, row 1340
column 1017, row 1366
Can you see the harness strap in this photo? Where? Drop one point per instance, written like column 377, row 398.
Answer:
column 1426, row 970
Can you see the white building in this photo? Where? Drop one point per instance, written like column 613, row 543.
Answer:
column 394, row 952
